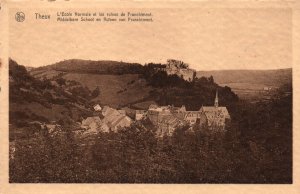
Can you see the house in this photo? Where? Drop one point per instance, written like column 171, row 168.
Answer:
column 155, row 113
column 94, row 125
column 167, row 125
column 115, row 119
column 122, row 112
column 109, row 113
column 153, row 106
column 120, row 122
column 140, row 114
column 165, row 118
column 97, row 107
column 192, row 116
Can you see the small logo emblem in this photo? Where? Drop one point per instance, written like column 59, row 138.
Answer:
column 20, row 17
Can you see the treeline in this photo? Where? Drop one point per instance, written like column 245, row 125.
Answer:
column 107, row 67
column 253, row 150
column 95, row 67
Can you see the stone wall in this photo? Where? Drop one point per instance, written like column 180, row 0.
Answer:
column 186, row 74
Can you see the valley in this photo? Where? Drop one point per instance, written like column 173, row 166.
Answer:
column 79, row 121
column 253, row 85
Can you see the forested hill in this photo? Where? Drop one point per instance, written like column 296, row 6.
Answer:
column 93, row 67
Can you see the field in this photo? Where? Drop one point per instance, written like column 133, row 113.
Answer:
column 250, row 91
column 116, row 90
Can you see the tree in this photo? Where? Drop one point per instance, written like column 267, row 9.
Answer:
column 61, row 81
column 211, row 79
column 96, row 92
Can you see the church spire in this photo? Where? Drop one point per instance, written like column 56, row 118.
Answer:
column 216, row 100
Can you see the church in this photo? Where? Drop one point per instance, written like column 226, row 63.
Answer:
column 211, row 117
column 214, row 117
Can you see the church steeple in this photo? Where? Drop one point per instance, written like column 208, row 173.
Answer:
column 216, row 100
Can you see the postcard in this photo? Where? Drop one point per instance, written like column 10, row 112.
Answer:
column 149, row 97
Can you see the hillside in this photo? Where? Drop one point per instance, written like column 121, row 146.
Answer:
column 34, row 100
column 251, row 84
column 115, row 90
column 119, row 82
column 132, row 85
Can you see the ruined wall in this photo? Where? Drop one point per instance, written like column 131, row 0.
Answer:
column 186, row 74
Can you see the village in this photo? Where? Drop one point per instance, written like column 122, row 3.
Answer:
column 165, row 119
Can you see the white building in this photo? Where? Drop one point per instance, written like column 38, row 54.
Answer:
column 97, row 107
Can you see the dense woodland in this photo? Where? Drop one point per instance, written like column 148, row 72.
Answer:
column 257, row 147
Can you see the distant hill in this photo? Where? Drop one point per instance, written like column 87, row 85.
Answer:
column 250, row 83
column 268, row 77
column 93, row 67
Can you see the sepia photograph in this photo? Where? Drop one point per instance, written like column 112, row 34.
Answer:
column 160, row 95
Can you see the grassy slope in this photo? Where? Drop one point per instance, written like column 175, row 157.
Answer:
column 44, row 74
column 115, row 90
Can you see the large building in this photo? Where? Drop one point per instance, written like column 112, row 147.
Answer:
column 167, row 118
column 214, row 117
column 210, row 117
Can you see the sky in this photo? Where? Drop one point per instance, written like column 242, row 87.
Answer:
column 206, row 39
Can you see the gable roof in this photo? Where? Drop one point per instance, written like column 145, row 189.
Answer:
column 97, row 107
column 215, row 115
column 90, row 120
column 140, row 111
column 121, row 121
column 212, row 110
column 123, row 112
